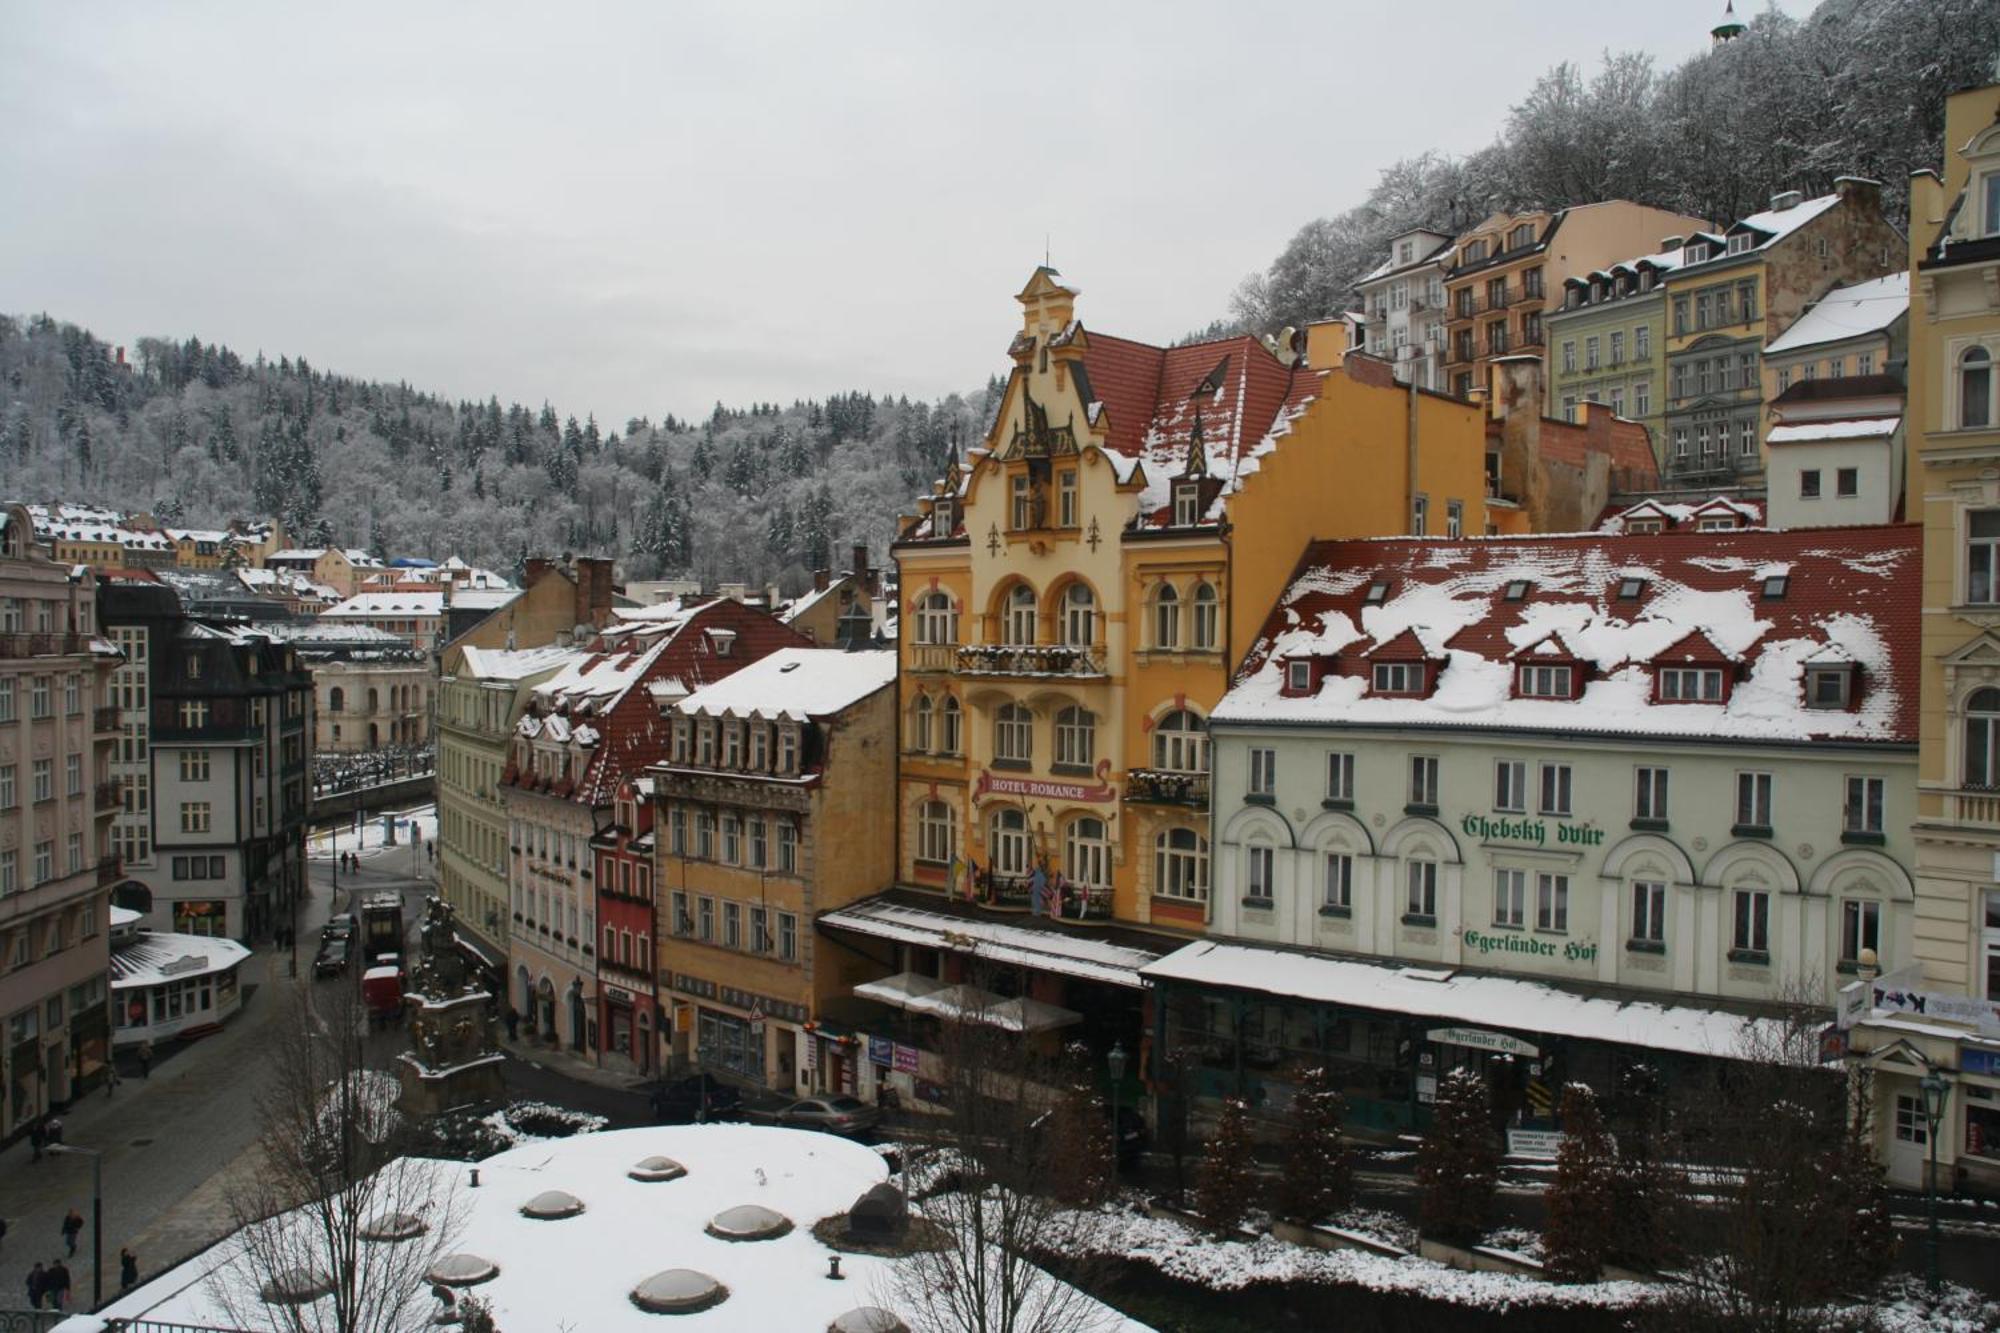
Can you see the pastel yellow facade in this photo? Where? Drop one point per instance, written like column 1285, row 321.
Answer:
column 1077, row 592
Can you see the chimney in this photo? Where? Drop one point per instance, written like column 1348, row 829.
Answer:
column 1856, row 189
column 1787, row 199
column 532, row 570
column 593, row 591
column 1670, row 243
column 820, row 577
column 861, row 561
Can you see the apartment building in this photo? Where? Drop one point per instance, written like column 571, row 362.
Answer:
column 1403, row 302
column 1736, row 292
column 54, row 876
column 1607, row 343
column 1505, row 275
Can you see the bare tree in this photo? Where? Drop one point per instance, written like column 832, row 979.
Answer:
column 992, row 1218
column 337, row 1231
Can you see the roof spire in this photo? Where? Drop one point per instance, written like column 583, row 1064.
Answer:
column 1729, row 29
column 1197, row 459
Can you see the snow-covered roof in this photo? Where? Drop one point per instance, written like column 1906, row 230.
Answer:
column 1805, row 432
column 1847, row 312
column 370, row 604
column 1072, row 954
column 1683, row 514
column 151, row 957
column 579, row 1271
column 1776, row 224
column 510, row 663
column 198, row 535
column 297, row 553
column 482, row 599
column 1452, row 996
column 795, row 683
column 1851, row 587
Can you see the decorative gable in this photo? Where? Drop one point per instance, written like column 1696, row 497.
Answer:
column 1548, row 668
column 1693, row 670
column 1407, row 664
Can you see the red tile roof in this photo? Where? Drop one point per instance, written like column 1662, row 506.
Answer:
column 1854, row 589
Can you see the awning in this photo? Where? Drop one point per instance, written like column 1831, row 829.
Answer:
column 960, row 1001
column 1483, row 1000
column 1066, row 950
column 1026, row 1015
column 478, row 949
column 900, row 989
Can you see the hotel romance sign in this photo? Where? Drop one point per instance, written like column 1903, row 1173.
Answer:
column 1532, row 831
column 996, row 784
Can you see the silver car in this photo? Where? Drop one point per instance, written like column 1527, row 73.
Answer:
column 837, row 1115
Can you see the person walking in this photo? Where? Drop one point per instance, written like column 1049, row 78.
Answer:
column 111, row 1079
column 38, row 1285
column 58, row 1281
column 38, row 1137
column 72, row 1227
column 145, row 1059
column 128, row 1268
column 55, row 1129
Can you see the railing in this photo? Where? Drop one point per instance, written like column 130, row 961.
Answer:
column 107, row 872
column 108, row 795
column 933, row 656
column 105, row 719
column 994, row 659
column 1159, row 786
column 1064, row 902
column 43, row 645
column 1979, row 809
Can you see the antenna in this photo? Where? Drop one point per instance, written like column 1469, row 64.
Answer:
column 1045, row 250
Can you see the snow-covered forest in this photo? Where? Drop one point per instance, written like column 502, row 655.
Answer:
column 196, row 435
column 1855, row 89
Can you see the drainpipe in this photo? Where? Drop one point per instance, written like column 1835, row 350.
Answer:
column 1410, row 449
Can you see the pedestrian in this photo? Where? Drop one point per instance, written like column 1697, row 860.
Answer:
column 128, row 1269
column 38, row 1135
column 145, row 1059
column 513, row 1022
column 55, row 1129
column 38, row 1285
column 110, row 1077
column 72, row 1226
column 58, row 1281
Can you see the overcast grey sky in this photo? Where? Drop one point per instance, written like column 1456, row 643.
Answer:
column 636, row 209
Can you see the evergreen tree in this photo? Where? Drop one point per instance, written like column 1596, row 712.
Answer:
column 1319, row 1169
column 1582, row 1201
column 1223, row 1189
column 1084, row 1124
column 1458, row 1162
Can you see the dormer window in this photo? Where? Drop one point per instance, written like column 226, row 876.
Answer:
column 1378, row 592
column 1645, row 526
column 1829, row 687
column 681, row 736
column 1517, row 590
column 732, row 744
column 723, row 641
column 1187, row 504
column 788, row 750
column 943, row 517
column 1545, row 682
column 1740, row 243
column 705, row 743
column 1696, row 252
column 1690, row 685
column 1298, row 677
column 1630, row 589
column 1398, row 678
column 1717, row 523
column 1775, row 587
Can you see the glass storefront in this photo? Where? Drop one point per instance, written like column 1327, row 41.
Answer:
column 728, row 1042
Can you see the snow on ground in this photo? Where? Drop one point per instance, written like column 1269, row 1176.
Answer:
column 1180, row 1251
column 373, row 837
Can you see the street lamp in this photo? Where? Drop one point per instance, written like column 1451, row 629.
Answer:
column 1936, row 1090
column 1114, row 1064
column 96, row 1216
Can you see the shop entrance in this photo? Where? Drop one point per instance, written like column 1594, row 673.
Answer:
column 726, row 1042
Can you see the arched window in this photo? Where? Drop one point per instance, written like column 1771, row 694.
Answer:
column 336, row 699
column 1180, row 865
column 1975, row 388
column 1982, row 739
column 1013, row 733
column 1079, row 616
column 1206, row 630
column 950, row 739
column 920, row 724
column 1018, row 626
column 1087, row 853
column 1007, row 844
column 937, row 834
column 1076, row 737
column 936, row 621
column 1166, row 617
column 1180, row 743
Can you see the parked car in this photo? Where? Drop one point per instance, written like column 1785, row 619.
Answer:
column 333, row 957
column 697, row 1097
column 836, row 1115
column 339, row 928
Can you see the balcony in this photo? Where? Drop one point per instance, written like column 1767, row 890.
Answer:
column 105, row 721
column 1973, row 809
column 43, row 645
column 1073, row 902
column 1159, row 786
column 107, row 872
column 108, row 797
column 995, row 659
column 933, row 656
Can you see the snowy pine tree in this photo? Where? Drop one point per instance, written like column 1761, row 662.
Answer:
column 1458, row 1162
column 1582, row 1200
column 1319, row 1169
column 1224, row 1186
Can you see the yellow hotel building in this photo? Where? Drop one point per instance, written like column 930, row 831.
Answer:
column 1941, row 1018
column 1076, row 591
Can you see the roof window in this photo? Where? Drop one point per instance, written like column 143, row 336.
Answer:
column 1631, row 589
column 1517, row 590
column 1775, row 587
column 1378, row 592
column 1645, row 526
column 1830, row 687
